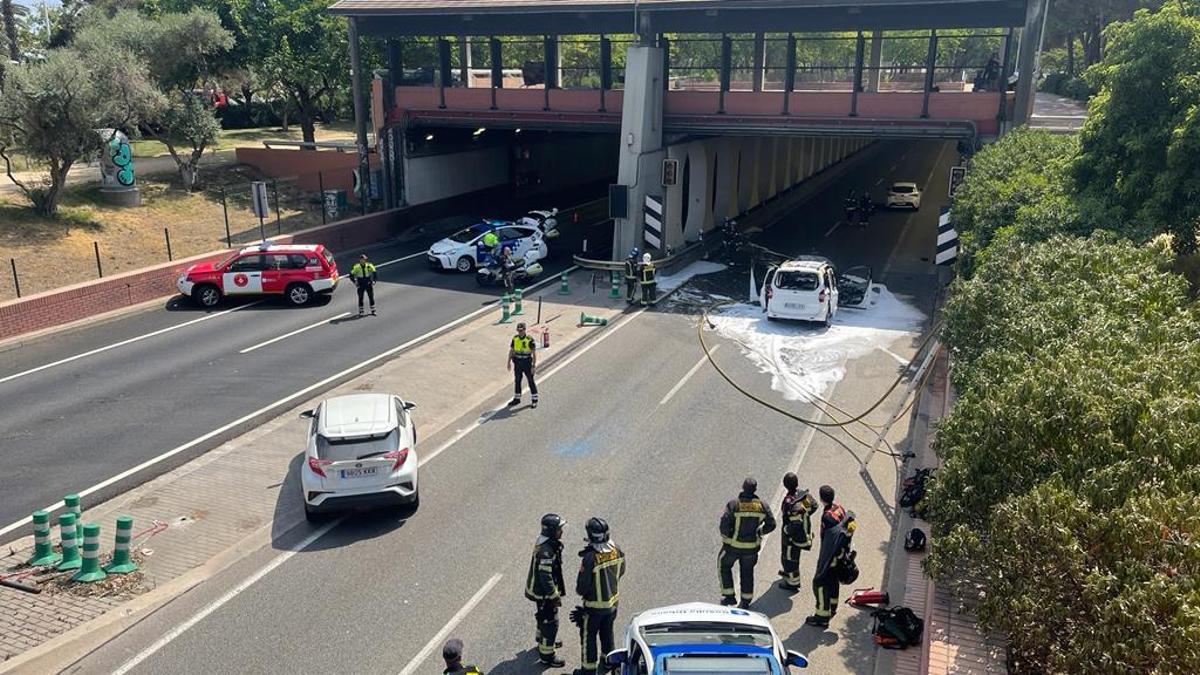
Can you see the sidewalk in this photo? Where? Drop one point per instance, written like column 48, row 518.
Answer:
column 951, row 642
column 202, row 517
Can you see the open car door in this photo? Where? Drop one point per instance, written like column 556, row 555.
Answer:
column 853, row 285
column 764, row 293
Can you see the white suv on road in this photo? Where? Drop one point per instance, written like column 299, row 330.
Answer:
column 804, row 289
column 362, row 451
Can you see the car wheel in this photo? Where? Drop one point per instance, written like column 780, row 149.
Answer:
column 206, row 295
column 465, row 264
column 298, row 294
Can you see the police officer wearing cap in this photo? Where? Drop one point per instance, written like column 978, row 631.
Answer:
column 364, row 275
column 837, row 529
column 796, row 514
column 452, row 654
column 743, row 524
column 601, row 567
column 522, row 360
column 545, row 587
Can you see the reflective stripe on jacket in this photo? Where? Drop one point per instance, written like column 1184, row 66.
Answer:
column 745, row 521
column 600, row 577
column 647, row 273
column 522, row 347
column 545, row 580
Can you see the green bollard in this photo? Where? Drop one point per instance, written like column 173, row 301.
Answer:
column 564, row 288
column 69, row 529
column 43, row 550
column 615, row 292
column 71, row 503
column 121, row 562
column 505, row 317
column 90, row 571
column 517, row 301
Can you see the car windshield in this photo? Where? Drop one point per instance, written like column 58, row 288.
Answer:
column 902, row 189
column 340, row 450
column 793, row 280
column 725, row 664
column 467, row 235
column 706, row 634
column 225, row 261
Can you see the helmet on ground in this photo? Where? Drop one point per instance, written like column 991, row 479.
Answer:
column 749, row 485
column 826, row 494
column 552, row 525
column 790, row 481
column 597, row 530
column 645, row 257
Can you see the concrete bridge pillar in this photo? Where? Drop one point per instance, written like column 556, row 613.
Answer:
column 727, row 161
column 700, row 194
column 641, row 148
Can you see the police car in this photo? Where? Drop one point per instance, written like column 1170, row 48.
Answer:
column 698, row 637
column 296, row 272
column 461, row 250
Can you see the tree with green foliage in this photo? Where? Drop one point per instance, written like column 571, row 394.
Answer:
column 52, row 109
column 1142, row 136
column 178, row 51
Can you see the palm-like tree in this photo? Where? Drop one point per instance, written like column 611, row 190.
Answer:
column 9, row 11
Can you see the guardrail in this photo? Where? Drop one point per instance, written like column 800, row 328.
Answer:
column 611, row 265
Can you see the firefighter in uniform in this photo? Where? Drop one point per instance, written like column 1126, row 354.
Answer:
column 796, row 514
column 522, row 360
column 743, row 524
column 545, row 587
column 631, row 276
column 837, row 528
column 364, row 275
column 649, row 283
column 600, row 572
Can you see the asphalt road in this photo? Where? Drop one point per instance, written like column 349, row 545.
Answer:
column 610, row 439
column 172, row 375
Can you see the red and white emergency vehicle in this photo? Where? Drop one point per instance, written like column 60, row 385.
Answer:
column 297, row 272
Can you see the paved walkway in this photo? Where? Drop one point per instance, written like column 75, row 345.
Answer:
column 245, row 494
column 1057, row 114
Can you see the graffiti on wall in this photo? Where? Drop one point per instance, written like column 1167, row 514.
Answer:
column 116, row 161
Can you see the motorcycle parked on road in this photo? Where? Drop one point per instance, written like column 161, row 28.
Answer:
column 494, row 273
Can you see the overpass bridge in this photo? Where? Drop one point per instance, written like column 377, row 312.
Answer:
column 749, row 97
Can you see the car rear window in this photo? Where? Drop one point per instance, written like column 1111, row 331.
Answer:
column 791, row 280
column 902, row 189
column 339, row 450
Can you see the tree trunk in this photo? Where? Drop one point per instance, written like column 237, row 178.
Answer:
column 1070, row 55
column 247, row 94
column 306, row 110
column 189, row 173
column 284, row 117
column 58, row 182
column 10, row 29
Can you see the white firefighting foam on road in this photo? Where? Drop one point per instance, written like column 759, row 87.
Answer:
column 805, row 360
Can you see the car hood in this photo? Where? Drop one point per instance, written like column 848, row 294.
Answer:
column 445, row 246
column 200, row 267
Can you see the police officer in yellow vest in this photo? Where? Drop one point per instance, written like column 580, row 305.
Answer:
column 545, row 587
column 364, row 276
column 796, row 514
column 522, row 360
column 598, row 584
column 649, row 282
column 743, row 524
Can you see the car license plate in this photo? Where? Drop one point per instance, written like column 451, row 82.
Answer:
column 793, row 305
column 358, row 473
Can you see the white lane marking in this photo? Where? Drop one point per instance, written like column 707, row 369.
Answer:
column 285, row 336
column 461, row 433
column 887, row 268
column 401, row 259
column 687, row 376
column 794, row 466
column 122, row 343
column 835, row 226
column 271, row 406
column 462, row 613
column 229, row 595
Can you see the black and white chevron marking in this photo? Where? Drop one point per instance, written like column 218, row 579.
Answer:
column 652, row 230
column 947, row 240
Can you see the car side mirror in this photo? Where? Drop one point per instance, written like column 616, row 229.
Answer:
column 616, row 658
column 307, row 414
column 797, row 659
column 409, row 405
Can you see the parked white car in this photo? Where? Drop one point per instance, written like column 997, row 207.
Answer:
column 904, row 195
column 804, row 289
column 463, row 250
column 698, row 637
column 545, row 221
column 362, row 451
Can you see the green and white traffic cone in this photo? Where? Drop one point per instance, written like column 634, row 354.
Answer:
column 69, row 529
column 586, row 320
column 121, row 562
column 615, row 291
column 505, row 317
column 517, row 301
column 91, row 571
column 564, row 288
column 43, row 551
column 71, row 503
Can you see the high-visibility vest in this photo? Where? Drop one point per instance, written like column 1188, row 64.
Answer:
column 522, row 346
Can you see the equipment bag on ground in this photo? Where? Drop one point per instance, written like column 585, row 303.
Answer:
column 897, row 628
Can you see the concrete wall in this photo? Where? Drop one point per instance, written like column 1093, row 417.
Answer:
column 304, row 165
column 571, row 161
column 428, row 179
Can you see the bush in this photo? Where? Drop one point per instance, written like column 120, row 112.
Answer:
column 257, row 114
column 1067, row 85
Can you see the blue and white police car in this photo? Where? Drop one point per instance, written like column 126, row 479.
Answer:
column 464, row 251
column 698, row 637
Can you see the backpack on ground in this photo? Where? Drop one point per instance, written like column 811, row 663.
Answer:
column 914, row 489
column 915, row 541
column 897, row 628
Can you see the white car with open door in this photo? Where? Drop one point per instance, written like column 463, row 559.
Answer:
column 700, row 638
column 362, row 451
column 804, row 289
